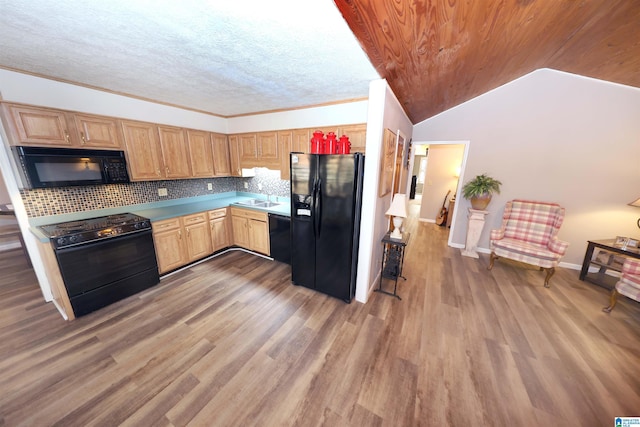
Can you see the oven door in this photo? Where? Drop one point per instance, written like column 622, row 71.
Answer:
column 93, row 265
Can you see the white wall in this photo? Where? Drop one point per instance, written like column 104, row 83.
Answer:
column 385, row 112
column 556, row 137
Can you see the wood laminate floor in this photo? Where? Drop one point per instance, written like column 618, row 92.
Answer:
column 230, row 342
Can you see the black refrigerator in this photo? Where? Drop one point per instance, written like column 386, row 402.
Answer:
column 326, row 199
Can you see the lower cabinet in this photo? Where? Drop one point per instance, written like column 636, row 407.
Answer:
column 198, row 237
column 219, row 228
column 171, row 249
column 250, row 229
column 181, row 240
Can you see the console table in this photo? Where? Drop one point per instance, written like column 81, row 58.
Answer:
column 607, row 259
column 393, row 261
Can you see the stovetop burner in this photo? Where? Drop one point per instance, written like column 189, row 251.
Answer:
column 74, row 232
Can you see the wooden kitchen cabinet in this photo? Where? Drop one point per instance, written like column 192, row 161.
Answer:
column 301, row 141
column 38, row 126
column 171, row 250
column 250, row 229
column 259, row 149
column 219, row 227
column 357, row 136
column 198, row 237
column 47, row 127
column 285, row 141
column 221, row 159
column 143, row 150
column 200, row 153
column 98, row 132
column 175, row 153
column 248, row 149
column 234, row 155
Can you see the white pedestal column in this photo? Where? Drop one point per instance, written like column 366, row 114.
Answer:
column 474, row 229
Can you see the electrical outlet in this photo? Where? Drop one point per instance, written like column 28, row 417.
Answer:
column 209, row 186
column 246, row 185
column 162, row 192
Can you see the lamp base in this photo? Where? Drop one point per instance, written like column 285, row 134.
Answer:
column 397, row 225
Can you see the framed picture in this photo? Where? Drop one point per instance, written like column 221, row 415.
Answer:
column 632, row 243
column 621, row 242
column 387, row 162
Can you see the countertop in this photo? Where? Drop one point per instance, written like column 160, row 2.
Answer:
column 166, row 209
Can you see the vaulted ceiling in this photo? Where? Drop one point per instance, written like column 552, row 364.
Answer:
column 436, row 54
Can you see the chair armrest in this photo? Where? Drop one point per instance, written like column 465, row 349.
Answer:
column 497, row 234
column 557, row 246
column 631, row 266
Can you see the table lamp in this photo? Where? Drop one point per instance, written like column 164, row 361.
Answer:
column 398, row 210
column 636, row 203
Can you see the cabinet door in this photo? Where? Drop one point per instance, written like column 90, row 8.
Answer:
column 240, row 228
column 301, row 141
column 175, row 154
column 259, row 236
column 200, row 153
column 198, row 240
column 38, row 126
column 98, row 132
column 234, row 155
column 284, row 142
column 143, row 151
column 170, row 250
column 221, row 162
column 268, row 150
column 357, row 136
column 219, row 234
column 248, row 150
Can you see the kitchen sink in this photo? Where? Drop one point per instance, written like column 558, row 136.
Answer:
column 269, row 204
column 258, row 203
column 250, row 202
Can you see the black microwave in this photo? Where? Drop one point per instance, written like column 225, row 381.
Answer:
column 42, row 167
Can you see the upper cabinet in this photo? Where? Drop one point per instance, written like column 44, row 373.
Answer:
column 143, row 150
column 97, row 132
column 221, row 160
column 234, row 155
column 175, row 153
column 46, row 127
column 200, row 153
column 357, row 136
column 301, row 141
column 259, row 149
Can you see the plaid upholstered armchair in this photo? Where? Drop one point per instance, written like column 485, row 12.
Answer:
column 628, row 285
column 529, row 234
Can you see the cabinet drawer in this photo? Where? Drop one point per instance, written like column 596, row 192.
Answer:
column 218, row 213
column 195, row 218
column 246, row 213
column 167, row 224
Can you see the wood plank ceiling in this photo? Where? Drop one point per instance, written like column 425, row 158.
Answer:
column 436, row 54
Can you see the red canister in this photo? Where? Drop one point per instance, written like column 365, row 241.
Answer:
column 317, row 142
column 344, row 145
column 331, row 144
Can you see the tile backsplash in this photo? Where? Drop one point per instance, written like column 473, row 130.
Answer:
column 56, row 201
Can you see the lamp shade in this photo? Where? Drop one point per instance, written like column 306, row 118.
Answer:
column 398, row 206
column 635, row 203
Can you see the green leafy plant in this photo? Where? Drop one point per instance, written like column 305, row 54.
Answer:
column 481, row 184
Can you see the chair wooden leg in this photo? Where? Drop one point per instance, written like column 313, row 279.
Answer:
column 613, row 299
column 492, row 258
column 550, row 272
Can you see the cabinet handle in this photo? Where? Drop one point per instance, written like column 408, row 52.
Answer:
column 158, row 172
column 180, row 234
column 166, row 169
column 84, row 140
column 67, row 137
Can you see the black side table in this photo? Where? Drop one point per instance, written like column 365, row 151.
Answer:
column 392, row 262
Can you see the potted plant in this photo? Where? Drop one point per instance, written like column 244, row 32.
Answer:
column 479, row 190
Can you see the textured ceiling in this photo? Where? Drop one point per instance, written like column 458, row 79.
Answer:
column 223, row 57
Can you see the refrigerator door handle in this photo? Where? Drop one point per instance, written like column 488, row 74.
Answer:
column 318, row 208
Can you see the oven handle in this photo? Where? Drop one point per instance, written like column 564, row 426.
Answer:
column 86, row 242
